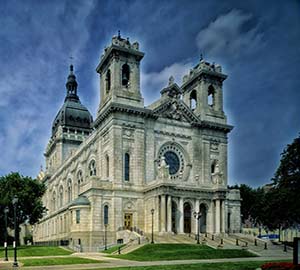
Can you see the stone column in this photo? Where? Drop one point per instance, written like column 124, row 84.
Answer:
column 156, row 214
column 163, row 213
column 223, row 216
column 181, row 215
column 218, row 217
column 197, row 208
column 169, row 214
column 210, row 218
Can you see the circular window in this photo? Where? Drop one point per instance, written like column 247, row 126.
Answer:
column 174, row 159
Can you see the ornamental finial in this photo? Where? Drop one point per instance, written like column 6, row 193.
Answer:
column 171, row 80
column 201, row 57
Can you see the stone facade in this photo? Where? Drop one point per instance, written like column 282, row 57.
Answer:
column 170, row 156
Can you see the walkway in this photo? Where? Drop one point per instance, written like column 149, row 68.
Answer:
column 113, row 262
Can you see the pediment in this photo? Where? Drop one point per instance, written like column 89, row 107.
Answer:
column 176, row 109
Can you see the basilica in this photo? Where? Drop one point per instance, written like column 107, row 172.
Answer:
column 136, row 167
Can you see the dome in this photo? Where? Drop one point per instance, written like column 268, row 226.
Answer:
column 72, row 114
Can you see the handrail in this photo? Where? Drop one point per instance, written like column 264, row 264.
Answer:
column 238, row 239
column 195, row 236
column 132, row 229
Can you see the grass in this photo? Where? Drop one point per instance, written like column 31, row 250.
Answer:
column 57, row 261
column 203, row 266
column 28, row 251
column 112, row 249
column 159, row 252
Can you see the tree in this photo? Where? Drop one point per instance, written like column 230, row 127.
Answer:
column 29, row 191
column 282, row 205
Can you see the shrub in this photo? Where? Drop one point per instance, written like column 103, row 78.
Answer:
column 280, row 266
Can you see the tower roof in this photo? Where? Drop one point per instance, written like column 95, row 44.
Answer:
column 72, row 113
column 117, row 47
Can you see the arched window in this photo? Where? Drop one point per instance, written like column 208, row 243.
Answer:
column 54, row 201
column 79, row 181
column 92, row 168
column 108, row 81
column 107, row 165
column 126, row 167
column 213, row 166
column 125, row 74
column 211, row 96
column 61, row 196
column 105, row 212
column 69, row 190
column 193, row 100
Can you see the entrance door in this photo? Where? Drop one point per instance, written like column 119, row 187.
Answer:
column 174, row 217
column 203, row 211
column 187, row 217
column 128, row 220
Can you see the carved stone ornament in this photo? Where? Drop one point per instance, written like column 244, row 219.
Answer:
column 214, row 146
column 128, row 133
column 129, row 205
column 174, row 112
column 217, row 176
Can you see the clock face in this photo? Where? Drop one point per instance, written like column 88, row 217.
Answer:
column 173, row 161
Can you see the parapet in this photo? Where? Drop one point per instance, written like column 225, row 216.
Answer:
column 234, row 195
column 123, row 43
column 202, row 66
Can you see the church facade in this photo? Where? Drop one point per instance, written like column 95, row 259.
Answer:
column 133, row 163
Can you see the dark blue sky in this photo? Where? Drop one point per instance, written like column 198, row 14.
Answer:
column 256, row 42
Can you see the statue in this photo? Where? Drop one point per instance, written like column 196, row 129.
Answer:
column 217, row 175
column 163, row 170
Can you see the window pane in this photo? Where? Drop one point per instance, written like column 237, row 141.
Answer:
column 77, row 216
column 127, row 161
column 105, row 214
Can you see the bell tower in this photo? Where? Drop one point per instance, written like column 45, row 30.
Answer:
column 203, row 93
column 119, row 71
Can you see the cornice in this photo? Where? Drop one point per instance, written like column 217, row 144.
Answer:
column 118, row 107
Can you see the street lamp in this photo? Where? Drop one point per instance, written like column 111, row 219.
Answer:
column 152, row 213
column 5, row 236
column 15, row 202
column 197, row 215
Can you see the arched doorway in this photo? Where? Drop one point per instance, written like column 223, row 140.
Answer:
column 203, row 211
column 187, row 214
column 174, row 217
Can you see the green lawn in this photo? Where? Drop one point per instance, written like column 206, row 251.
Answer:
column 159, row 252
column 113, row 249
column 57, row 261
column 203, row 266
column 27, row 251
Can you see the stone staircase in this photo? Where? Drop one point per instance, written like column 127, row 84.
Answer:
column 230, row 241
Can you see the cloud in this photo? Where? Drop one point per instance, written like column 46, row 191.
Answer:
column 231, row 35
column 32, row 85
column 153, row 82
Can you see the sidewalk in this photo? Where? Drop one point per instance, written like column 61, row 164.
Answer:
column 108, row 262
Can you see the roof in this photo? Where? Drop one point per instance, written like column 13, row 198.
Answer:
column 81, row 200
